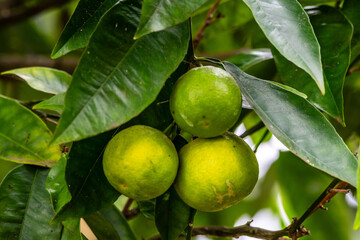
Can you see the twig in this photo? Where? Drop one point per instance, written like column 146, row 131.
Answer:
column 353, row 69
column 130, row 213
column 50, row 120
column 325, row 197
column 252, row 130
column 208, row 20
column 236, row 232
column 8, row 62
column 10, row 16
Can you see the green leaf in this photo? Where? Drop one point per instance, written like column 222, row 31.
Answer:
column 109, row 223
column 351, row 9
column 71, row 230
column 24, row 138
column 158, row 15
column 147, row 208
column 287, row 26
column 300, row 185
column 25, row 208
column 55, row 103
column 43, row 79
column 248, row 59
column 81, row 25
column 117, row 77
column 298, row 125
column 56, row 184
column 357, row 218
column 88, row 186
column 171, row 215
column 334, row 33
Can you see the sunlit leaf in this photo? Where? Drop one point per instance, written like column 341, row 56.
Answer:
column 24, row 137
column 43, row 79
column 287, row 26
column 55, row 103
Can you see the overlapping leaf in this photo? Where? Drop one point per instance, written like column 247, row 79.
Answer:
column 109, row 223
column 117, row 77
column 43, row 79
column 24, row 137
column 334, row 33
column 172, row 215
column 25, row 208
column 351, row 9
column 298, row 125
column 288, row 28
column 158, row 15
column 55, row 103
column 81, row 25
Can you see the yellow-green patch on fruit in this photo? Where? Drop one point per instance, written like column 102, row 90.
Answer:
column 216, row 173
column 206, row 102
column 140, row 162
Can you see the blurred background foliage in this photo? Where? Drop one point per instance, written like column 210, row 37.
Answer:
column 29, row 30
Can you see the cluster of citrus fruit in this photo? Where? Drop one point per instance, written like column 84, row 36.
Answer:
column 210, row 173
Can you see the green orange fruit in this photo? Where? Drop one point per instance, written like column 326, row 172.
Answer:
column 216, row 173
column 205, row 102
column 140, row 162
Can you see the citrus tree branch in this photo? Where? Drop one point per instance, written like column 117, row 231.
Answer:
column 208, row 20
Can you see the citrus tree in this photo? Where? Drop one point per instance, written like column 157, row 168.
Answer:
column 78, row 77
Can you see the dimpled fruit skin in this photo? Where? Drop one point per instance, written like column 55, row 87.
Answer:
column 205, row 102
column 140, row 162
column 216, row 173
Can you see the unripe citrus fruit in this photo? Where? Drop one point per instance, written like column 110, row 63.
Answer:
column 216, row 173
column 205, row 102
column 140, row 162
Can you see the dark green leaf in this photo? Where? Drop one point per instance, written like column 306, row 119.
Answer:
column 81, row 25
column 300, row 185
column 71, row 230
column 158, row 15
column 287, row 26
column 56, row 184
column 24, row 138
column 172, row 215
column 351, row 9
column 334, row 33
column 43, row 79
column 357, row 218
column 109, row 223
column 25, row 208
column 147, row 208
column 55, row 103
column 117, row 77
column 298, row 125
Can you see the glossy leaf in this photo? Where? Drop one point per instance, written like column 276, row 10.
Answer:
column 293, row 120
column 172, row 215
column 117, row 77
column 81, row 25
column 55, row 103
column 288, row 28
column 351, row 9
column 157, row 15
column 248, row 59
column 71, row 230
column 56, row 184
column 300, row 185
column 24, row 137
column 25, row 208
column 334, row 33
column 43, row 79
column 109, row 223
